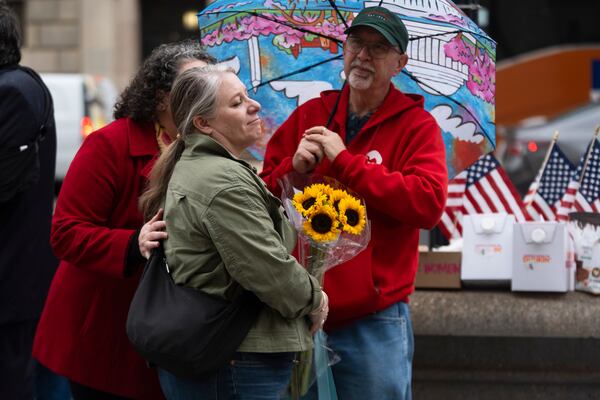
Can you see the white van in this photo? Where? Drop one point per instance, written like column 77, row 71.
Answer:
column 82, row 104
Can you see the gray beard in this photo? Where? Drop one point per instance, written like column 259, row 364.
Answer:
column 359, row 83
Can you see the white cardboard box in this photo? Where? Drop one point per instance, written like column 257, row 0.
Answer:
column 487, row 248
column 540, row 257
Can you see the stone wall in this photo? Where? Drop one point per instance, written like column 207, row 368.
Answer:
column 83, row 36
column 52, row 35
column 490, row 344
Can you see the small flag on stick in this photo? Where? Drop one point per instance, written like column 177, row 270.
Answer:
column 486, row 188
column 583, row 190
column 545, row 192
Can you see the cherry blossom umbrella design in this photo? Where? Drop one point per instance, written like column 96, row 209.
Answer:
column 287, row 52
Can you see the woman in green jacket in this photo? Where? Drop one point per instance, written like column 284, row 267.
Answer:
column 228, row 232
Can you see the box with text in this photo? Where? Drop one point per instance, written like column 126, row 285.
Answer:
column 439, row 269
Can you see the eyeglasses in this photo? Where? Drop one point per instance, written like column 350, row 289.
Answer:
column 376, row 49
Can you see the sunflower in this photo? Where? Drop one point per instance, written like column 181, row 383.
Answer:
column 325, row 189
column 352, row 215
column 306, row 201
column 336, row 196
column 322, row 226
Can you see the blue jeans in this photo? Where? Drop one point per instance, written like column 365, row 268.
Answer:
column 250, row 376
column 376, row 355
column 50, row 386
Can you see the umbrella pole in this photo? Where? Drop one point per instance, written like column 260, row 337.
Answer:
column 337, row 102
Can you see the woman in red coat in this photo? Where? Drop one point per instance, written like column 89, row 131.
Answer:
column 81, row 333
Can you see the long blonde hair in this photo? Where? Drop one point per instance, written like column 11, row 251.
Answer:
column 194, row 93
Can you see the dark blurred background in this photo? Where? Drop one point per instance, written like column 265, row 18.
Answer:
column 522, row 26
column 518, row 26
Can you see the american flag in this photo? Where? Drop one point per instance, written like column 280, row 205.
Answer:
column 452, row 216
column 585, row 196
column 545, row 192
column 486, row 188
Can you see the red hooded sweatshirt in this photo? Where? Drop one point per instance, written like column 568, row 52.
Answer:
column 397, row 164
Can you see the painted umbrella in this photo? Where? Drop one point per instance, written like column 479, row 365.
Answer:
column 288, row 52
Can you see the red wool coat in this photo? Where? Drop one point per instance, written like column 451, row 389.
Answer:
column 81, row 333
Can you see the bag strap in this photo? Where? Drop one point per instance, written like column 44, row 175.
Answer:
column 160, row 252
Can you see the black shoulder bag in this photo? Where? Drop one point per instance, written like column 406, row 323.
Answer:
column 184, row 330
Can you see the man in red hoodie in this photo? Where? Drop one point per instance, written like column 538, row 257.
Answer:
column 383, row 145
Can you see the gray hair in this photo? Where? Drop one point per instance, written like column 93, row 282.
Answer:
column 194, row 94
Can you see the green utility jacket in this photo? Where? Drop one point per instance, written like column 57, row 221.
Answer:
column 225, row 230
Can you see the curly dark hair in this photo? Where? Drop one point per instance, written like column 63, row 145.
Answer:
column 10, row 36
column 155, row 77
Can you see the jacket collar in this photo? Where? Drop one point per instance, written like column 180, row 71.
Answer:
column 197, row 144
column 8, row 67
column 394, row 103
column 142, row 139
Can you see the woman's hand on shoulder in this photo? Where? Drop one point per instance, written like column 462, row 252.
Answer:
column 151, row 234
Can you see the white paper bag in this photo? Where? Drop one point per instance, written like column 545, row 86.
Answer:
column 487, row 248
column 540, row 260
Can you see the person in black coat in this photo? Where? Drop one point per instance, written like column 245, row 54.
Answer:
column 27, row 164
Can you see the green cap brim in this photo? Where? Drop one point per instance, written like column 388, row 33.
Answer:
column 386, row 34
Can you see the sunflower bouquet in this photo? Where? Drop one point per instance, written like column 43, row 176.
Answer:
column 331, row 221
column 332, row 227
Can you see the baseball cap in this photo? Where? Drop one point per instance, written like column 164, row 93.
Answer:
column 385, row 22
